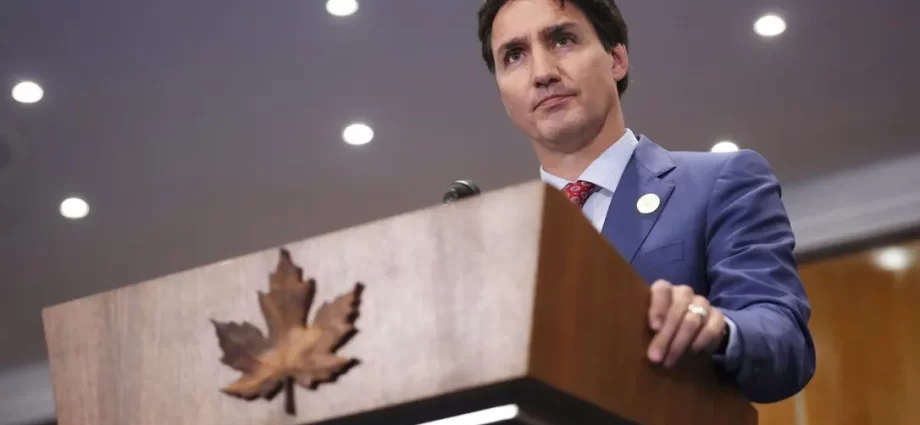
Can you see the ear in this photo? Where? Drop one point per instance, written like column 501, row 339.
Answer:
column 620, row 62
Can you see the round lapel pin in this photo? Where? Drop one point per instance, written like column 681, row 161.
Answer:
column 648, row 203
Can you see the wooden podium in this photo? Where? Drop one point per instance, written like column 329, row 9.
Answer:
column 509, row 303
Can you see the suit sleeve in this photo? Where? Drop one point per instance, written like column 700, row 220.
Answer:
column 753, row 277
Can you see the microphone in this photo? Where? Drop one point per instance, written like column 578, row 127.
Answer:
column 460, row 189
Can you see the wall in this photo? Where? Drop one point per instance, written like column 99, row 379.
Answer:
column 25, row 395
column 864, row 323
column 855, row 205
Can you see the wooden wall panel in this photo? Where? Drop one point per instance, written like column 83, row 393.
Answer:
column 782, row 413
column 866, row 325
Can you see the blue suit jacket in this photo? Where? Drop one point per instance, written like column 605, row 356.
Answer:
column 722, row 229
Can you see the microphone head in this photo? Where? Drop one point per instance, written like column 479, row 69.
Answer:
column 460, row 189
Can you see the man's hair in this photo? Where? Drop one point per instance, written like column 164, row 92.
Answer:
column 604, row 15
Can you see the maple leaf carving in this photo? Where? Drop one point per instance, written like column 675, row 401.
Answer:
column 292, row 349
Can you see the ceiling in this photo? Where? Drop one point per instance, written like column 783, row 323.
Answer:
column 203, row 130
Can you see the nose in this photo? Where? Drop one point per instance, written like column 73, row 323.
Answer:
column 545, row 70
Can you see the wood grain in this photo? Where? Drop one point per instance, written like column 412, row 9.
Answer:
column 590, row 335
column 450, row 304
column 865, row 324
column 779, row 413
column 447, row 306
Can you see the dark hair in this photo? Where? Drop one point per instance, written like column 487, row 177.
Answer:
column 604, row 15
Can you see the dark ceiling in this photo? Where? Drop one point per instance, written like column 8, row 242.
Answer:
column 206, row 129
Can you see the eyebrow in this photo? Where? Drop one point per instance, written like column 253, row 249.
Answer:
column 558, row 28
column 547, row 32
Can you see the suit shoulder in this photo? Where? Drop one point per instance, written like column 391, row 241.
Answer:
column 718, row 161
column 712, row 159
column 656, row 157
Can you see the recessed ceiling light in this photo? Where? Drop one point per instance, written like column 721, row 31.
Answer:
column 725, row 146
column 894, row 259
column 74, row 208
column 770, row 26
column 358, row 134
column 341, row 7
column 27, row 92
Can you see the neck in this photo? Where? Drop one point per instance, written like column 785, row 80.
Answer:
column 571, row 164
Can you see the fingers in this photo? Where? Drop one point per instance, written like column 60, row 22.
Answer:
column 710, row 337
column 680, row 297
column 661, row 302
column 676, row 328
column 687, row 331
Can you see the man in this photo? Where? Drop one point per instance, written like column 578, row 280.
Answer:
column 709, row 229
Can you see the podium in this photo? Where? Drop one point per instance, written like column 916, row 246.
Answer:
column 504, row 308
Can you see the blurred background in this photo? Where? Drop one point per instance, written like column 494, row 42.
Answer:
column 139, row 139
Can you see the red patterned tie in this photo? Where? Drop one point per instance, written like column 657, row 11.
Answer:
column 578, row 192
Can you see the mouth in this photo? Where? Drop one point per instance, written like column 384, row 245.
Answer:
column 553, row 100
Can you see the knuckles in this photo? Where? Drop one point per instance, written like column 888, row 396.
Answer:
column 683, row 291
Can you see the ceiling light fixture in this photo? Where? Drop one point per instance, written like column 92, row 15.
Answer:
column 770, row 26
column 341, row 7
column 358, row 134
column 894, row 259
column 725, row 146
column 27, row 92
column 74, row 208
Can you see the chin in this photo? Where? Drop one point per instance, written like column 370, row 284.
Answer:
column 561, row 133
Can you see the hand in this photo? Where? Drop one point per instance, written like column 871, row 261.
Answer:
column 676, row 328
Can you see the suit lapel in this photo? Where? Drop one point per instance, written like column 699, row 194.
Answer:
column 625, row 226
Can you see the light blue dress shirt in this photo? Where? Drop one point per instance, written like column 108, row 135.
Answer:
column 605, row 172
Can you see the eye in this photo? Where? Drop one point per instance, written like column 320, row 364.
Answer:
column 564, row 40
column 512, row 56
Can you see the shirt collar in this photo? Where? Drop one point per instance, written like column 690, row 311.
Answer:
column 606, row 170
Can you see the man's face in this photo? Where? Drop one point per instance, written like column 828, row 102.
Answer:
column 557, row 81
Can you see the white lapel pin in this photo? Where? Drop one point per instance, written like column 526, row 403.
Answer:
column 648, row 203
